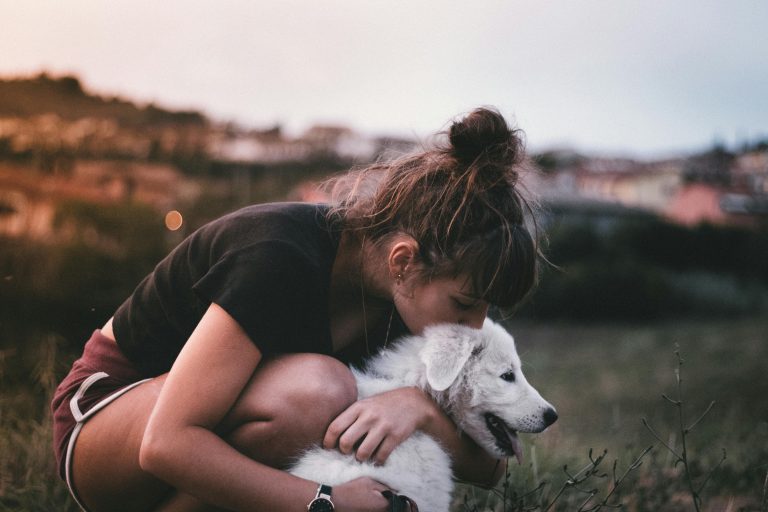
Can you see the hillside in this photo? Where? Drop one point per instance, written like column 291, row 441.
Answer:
column 65, row 97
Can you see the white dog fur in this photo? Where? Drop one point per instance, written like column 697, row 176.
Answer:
column 475, row 376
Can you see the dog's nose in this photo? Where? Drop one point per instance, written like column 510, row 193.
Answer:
column 550, row 416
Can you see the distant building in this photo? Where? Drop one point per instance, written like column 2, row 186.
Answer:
column 734, row 194
column 271, row 146
column 696, row 203
column 246, row 147
column 648, row 186
column 644, row 186
column 340, row 141
column 750, row 172
column 715, row 187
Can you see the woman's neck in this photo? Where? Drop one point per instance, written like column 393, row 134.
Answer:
column 360, row 301
column 360, row 266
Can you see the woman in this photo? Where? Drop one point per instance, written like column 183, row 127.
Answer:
column 228, row 359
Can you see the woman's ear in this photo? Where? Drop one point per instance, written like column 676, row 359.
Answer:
column 403, row 253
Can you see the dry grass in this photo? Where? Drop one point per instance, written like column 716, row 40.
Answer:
column 603, row 380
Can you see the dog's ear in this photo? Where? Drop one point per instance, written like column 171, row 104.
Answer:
column 445, row 352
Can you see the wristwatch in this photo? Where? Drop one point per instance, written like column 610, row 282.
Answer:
column 322, row 501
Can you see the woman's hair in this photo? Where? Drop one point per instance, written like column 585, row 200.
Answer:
column 460, row 201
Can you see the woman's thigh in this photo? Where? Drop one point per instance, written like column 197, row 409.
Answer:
column 286, row 406
column 105, row 462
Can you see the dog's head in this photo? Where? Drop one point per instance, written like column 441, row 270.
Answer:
column 482, row 386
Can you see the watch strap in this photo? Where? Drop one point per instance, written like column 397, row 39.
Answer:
column 322, row 500
column 324, row 491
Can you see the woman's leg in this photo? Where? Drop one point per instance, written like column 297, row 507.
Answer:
column 287, row 406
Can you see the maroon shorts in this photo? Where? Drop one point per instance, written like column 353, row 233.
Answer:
column 100, row 375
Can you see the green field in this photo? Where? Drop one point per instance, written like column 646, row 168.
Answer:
column 603, row 379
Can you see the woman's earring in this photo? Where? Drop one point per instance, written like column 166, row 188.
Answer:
column 399, row 278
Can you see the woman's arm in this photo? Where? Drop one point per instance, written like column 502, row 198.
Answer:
column 385, row 420
column 181, row 448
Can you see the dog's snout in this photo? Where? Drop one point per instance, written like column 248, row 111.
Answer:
column 550, row 416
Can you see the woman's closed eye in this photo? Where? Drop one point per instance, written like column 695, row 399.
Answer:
column 465, row 306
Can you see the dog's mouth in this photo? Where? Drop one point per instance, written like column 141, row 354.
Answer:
column 506, row 436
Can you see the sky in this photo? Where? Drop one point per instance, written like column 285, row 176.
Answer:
column 620, row 77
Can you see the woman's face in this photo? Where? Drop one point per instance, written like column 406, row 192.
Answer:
column 440, row 300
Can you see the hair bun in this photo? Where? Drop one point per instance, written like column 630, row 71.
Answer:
column 484, row 132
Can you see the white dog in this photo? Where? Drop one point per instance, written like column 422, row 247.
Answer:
column 475, row 376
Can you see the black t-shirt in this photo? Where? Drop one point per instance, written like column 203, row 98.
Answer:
column 268, row 266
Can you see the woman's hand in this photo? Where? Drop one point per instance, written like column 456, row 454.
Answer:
column 375, row 426
column 360, row 495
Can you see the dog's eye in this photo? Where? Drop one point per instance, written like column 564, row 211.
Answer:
column 509, row 376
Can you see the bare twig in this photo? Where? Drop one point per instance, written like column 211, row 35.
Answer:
column 536, row 499
column 592, row 494
column 709, row 408
column 673, row 402
column 570, row 482
column 617, row 482
column 682, row 456
column 575, row 481
column 633, row 466
column 711, row 472
column 681, row 417
column 653, row 432
column 539, row 488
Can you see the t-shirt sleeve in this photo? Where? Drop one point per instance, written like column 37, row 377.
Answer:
column 265, row 291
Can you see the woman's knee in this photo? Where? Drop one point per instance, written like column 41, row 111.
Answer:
column 322, row 384
column 288, row 406
column 295, row 384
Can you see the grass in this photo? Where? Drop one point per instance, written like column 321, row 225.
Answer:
column 603, row 379
column 28, row 477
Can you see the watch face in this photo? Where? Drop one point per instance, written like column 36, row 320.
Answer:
column 320, row 505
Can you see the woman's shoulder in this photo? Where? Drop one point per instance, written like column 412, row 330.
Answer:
column 278, row 215
column 303, row 226
column 275, row 231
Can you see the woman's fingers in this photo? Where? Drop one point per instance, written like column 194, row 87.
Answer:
column 369, row 445
column 386, row 447
column 365, row 425
column 362, row 494
column 339, row 426
column 358, row 432
column 351, row 433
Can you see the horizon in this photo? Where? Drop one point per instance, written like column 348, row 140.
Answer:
column 298, row 132
column 636, row 79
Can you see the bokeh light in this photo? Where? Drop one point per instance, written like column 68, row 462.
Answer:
column 173, row 220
